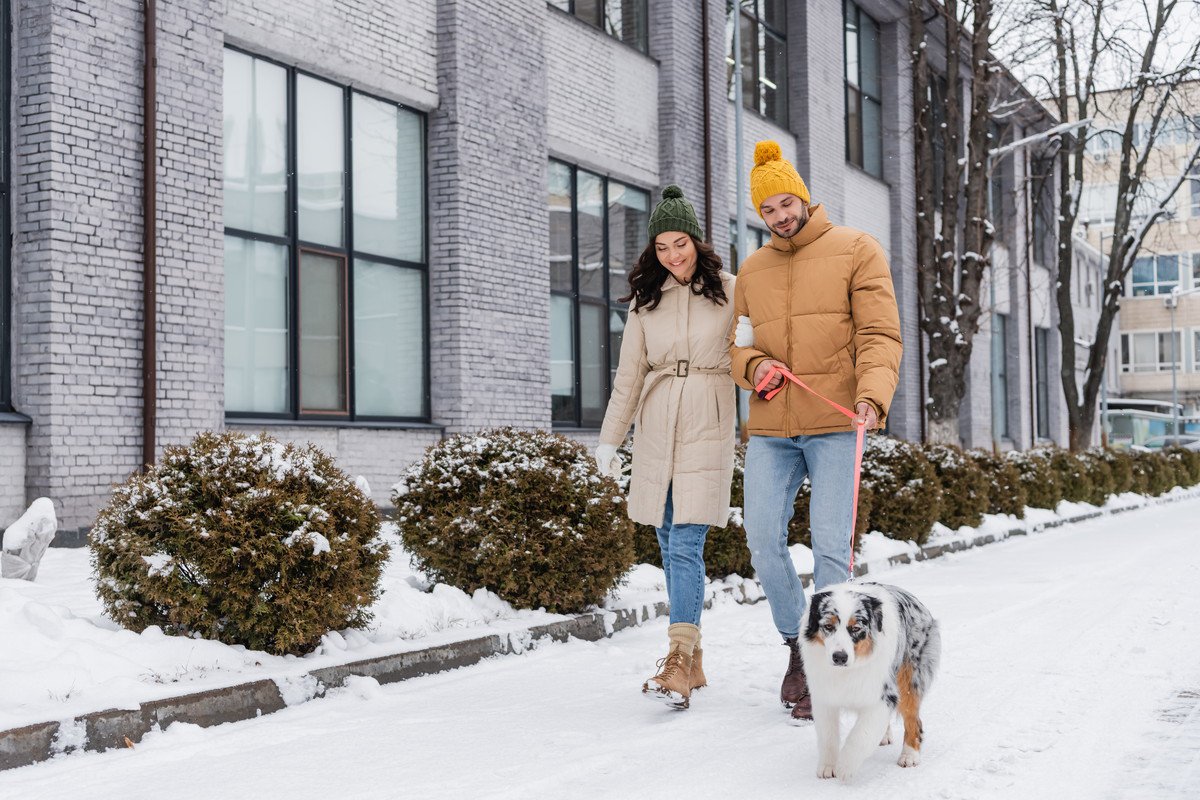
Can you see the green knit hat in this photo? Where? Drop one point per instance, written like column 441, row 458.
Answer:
column 673, row 213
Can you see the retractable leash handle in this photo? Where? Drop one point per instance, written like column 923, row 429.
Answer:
column 860, row 429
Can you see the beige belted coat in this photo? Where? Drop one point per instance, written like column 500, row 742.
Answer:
column 673, row 384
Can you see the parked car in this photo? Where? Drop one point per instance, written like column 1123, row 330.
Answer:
column 1186, row 441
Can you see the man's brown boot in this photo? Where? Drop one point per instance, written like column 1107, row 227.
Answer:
column 794, row 691
column 673, row 683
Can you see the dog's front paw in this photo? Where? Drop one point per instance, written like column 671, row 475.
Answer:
column 844, row 771
column 824, row 771
column 909, row 757
column 887, row 737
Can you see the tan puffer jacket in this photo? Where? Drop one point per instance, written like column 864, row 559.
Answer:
column 821, row 302
column 673, row 381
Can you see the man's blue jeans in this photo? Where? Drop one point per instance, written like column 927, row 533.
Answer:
column 683, row 564
column 775, row 468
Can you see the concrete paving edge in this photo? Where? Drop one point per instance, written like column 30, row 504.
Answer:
column 103, row 730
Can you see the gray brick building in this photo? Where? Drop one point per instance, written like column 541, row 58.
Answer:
column 382, row 222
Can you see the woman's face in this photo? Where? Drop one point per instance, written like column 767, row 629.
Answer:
column 677, row 252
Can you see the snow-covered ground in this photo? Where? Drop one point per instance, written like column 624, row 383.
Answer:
column 1071, row 669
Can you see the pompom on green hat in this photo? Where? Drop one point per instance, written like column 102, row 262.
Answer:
column 674, row 213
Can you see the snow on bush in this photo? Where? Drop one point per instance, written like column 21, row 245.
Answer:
column 1073, row 474
column 1120, row 463
column 1006, row 493
column 525, row 514
column 907, row 494
column 1043, row 485
column 965, row 488
column 242, row 539
column 1100, row 475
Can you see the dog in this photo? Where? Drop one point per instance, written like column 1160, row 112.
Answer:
column 872, row 649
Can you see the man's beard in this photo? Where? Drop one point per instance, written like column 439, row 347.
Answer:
column 785, row 226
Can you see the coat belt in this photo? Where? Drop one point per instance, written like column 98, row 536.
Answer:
column 683, row 368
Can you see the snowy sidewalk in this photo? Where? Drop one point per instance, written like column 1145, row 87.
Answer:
column 1071, row 669
column 70, row 678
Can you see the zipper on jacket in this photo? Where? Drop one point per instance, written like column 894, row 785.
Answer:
column 787, row 394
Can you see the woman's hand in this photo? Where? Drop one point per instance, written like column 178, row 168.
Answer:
column 608, row 462
column 744, row 335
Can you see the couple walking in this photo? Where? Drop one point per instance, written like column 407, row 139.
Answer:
column 816, row 300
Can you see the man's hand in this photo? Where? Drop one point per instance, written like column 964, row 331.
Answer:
column 761, row 371
column 867, row 416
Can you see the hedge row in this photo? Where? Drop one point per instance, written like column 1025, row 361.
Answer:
column 265, row 544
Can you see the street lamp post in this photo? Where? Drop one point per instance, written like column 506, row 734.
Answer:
column 1171, row 301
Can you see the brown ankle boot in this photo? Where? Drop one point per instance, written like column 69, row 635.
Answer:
column 794, row 691
column 673, row 683
column 698, row 679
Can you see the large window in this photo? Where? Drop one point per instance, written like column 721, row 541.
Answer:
column 1041, row 200
column 325, row 278
column 864, row 107
column 621, row 19
column 1150, row 352
column 1196, row 351
column 755, row 238
column 764, row 56
column 1042, row 367
column 597, row 232
column 1156, row 274
column 5, row 263
column 1000, row 374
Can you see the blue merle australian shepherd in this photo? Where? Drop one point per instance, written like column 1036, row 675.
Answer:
column 872, row 649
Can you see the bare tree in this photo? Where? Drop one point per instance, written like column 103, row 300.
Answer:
column 1087, row 43
column 950, row 275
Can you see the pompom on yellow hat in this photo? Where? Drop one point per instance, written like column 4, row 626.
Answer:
column 773, row 174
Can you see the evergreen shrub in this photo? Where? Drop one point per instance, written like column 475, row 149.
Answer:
column 965, row 488
column 1006, row 492
column 1100, row 474
column 1073, row 473
column 525, row 514
column 1043, row 485
column 242, row 539
column 907, row 496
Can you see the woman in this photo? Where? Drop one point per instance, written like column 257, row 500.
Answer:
column 674, row 381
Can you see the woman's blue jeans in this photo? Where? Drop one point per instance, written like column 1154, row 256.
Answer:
column 683, row 564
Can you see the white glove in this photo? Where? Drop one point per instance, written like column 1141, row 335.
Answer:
column 745, row 333
column 608, row 462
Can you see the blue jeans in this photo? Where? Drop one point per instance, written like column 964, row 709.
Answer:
column 775, row 468
column 683, row 565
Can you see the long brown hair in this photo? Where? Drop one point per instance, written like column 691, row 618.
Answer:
column 648, row 275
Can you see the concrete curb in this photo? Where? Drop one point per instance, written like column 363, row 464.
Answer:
column 103, row 730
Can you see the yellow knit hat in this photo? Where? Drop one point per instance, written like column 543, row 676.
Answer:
column 773, row 174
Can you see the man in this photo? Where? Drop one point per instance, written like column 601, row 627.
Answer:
column 820, row 304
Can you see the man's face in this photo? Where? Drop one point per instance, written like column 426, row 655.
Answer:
column 785, row 214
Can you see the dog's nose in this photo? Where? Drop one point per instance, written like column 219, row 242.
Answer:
column 840, row 657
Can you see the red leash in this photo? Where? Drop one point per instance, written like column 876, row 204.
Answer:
column 860, row 430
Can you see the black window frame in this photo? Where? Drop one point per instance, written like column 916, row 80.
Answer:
column 1000, row 387
column 571, row 8
column 295, row 246
column 861, row 95
column 1041, row 342
column 752, row 71
column 608, row 302
column 6, row 307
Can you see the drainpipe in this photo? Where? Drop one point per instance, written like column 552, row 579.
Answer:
column 149, row 234
column 704, row 36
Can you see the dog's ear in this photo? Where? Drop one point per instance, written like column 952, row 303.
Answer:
column 875, row 611
column 816, row 610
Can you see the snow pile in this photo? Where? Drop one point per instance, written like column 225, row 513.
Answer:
column 26, row 540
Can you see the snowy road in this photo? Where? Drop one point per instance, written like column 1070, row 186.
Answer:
column 1071, row 669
